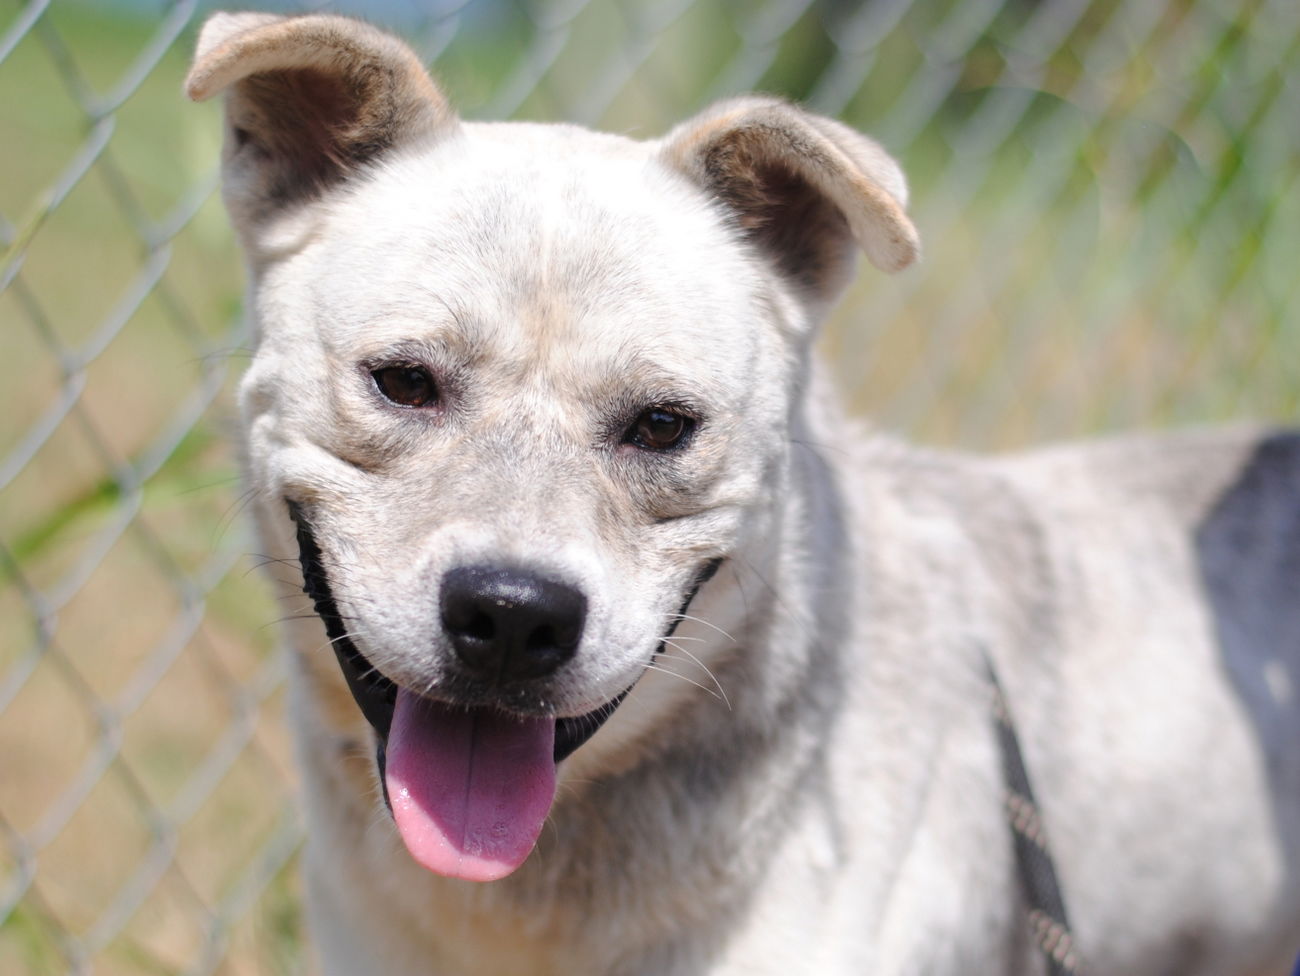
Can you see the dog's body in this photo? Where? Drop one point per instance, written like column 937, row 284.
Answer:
column 535, row 370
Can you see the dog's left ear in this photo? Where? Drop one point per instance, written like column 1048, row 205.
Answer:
column 806, row 190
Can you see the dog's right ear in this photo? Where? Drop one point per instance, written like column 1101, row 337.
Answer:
column 309, row 101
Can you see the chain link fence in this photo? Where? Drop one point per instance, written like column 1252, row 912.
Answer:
column 1108, row 194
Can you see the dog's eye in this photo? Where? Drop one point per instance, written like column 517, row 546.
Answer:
column 407, row 386
column 659, row 429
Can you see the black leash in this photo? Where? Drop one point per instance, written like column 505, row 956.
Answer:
column 1047, row 916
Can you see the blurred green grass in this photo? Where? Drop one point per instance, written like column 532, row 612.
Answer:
column 91, row 709
column 86, row 257
column 1110, row 240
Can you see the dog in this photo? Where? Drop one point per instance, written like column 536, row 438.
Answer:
column 631, row 655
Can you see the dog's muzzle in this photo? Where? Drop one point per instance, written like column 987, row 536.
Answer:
column 376, row 695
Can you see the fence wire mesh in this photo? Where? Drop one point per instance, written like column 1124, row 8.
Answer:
column 1107, row 189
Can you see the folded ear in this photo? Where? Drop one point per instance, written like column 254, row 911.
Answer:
column 309, row 101
column 803, row 188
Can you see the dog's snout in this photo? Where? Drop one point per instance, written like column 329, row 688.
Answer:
column 510, row 624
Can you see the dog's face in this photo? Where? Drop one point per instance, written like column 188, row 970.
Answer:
column 521, row 389
column 488, row 363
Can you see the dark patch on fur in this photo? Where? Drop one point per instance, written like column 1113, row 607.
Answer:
column 1248, row 548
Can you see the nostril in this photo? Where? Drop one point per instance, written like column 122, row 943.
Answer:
column 462, row 615
column 548, row 638
column 480, row 627
column 541, row 639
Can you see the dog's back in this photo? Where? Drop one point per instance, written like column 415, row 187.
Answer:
column 1132, row 595
column 1172, row 714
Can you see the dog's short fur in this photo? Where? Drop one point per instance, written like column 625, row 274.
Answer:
column 584, row 361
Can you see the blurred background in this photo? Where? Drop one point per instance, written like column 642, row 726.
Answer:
column 1109, row 196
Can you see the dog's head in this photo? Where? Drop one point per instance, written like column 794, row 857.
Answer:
column 518, row 389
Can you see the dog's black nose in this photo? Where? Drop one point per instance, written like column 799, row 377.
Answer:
column 510, row 624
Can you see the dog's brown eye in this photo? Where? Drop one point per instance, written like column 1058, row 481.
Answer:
column 407, row 386
column 659, row 429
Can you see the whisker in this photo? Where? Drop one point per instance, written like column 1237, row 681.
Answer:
column 261, row 562
column 707, row 623
column 305, row 614
column 372, row 670
column 690, row 681
column 233, row 511
column 703, row 667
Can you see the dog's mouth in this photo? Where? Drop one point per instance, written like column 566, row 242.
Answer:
column 468, row 787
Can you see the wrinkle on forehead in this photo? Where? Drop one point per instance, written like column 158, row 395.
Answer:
column 559, row 269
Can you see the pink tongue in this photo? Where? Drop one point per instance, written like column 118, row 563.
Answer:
column 470, row 789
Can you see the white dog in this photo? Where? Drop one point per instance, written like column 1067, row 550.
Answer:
column 657, row 666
